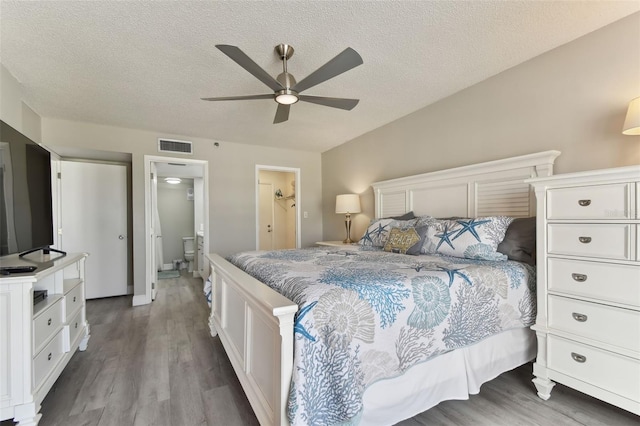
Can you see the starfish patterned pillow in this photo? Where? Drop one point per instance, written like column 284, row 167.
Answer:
column 378, row 231
column 470, row 238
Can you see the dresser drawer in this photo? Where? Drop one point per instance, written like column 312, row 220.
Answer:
column 607, row 370
column 73, row 300
column 46, row 324
column 47, row 359
column 615, row 326
column 606, row 241
column 591, row 202
column 75, row 327
column 604, row 281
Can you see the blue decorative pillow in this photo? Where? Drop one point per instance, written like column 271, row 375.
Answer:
column 378, row 231
column 470, row 238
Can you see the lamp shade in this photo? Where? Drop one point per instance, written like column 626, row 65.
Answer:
column 348, row 203
column 632, row 122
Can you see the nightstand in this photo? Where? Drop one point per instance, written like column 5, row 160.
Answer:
column 339, row 244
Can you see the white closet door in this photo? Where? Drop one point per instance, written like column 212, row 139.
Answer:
column 94, row 220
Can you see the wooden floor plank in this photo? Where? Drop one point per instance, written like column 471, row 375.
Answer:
column 157, row 365
column 220, row 408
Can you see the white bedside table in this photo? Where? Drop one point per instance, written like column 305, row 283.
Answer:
column 339, row 244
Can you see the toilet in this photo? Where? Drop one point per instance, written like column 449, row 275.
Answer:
column 187, row 243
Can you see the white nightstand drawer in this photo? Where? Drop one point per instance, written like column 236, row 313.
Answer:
column 73, row 300
column 46, row 324
column 606, row 241
column 47, row 359
column 591, row 202
column 615, row 326
column 604, row 281
column 607, row 370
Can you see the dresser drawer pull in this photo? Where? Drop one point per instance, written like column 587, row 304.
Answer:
column 578, row 358
column 74, row 298
column 579, row 277
column 579, row 317
column 49, row 322
column 49, row 357
column 584, row 240
column 76, row 325
column 584, row 203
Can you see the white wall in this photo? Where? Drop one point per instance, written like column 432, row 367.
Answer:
column 231, row 182
column 14, row 111
column 572, row 99
column 176, row 217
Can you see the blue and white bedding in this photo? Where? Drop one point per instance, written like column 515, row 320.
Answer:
column 365, row 316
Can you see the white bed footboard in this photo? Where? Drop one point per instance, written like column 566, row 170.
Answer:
column 255, row 325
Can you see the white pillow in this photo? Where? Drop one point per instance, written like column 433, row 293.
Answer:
column 470, row 238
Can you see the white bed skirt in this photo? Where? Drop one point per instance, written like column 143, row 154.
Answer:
column 454, row 375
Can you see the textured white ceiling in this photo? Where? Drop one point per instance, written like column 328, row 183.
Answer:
column 146, row 64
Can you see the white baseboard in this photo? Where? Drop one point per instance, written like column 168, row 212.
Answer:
column 140, row 299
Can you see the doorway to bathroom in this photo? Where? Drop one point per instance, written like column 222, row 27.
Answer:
column 177, row 223
column 177, row 219
column 277, row 202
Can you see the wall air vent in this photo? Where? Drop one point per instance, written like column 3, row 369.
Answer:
column 172, row 145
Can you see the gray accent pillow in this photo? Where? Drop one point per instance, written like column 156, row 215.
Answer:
column 520, row 241
column 406, row 216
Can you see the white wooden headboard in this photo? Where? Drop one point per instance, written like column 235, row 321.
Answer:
column 485, row 189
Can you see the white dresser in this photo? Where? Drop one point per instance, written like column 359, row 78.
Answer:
column 588, row 320
column 37, row 341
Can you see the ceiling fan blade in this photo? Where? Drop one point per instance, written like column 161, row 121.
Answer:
column 282, row 113
column 341, row 103
column 247, row 63
column 239, row 98
column 343, row 62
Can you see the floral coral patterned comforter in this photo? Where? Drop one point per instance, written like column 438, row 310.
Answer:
column 369, row 315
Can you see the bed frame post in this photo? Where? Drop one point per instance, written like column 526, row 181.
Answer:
column 286, row 363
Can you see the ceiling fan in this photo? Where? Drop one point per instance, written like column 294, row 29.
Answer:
column 286, row 89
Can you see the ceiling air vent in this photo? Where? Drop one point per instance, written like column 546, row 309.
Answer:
column 172, row 145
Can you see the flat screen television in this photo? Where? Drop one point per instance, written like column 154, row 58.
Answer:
column 26, row 213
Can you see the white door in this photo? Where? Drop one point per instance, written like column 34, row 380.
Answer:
column 94, row 220
column 265, row 233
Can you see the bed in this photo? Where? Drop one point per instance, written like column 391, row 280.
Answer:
column 261, row 329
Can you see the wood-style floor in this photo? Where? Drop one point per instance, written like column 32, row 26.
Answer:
column 158, row 365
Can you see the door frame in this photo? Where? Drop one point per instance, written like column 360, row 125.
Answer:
column 296, row 172
column 146, row 298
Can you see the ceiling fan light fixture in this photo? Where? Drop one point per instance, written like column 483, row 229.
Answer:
column 285, row 88
column 286, row 97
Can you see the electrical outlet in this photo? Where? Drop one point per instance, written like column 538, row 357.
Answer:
column 305, row 215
